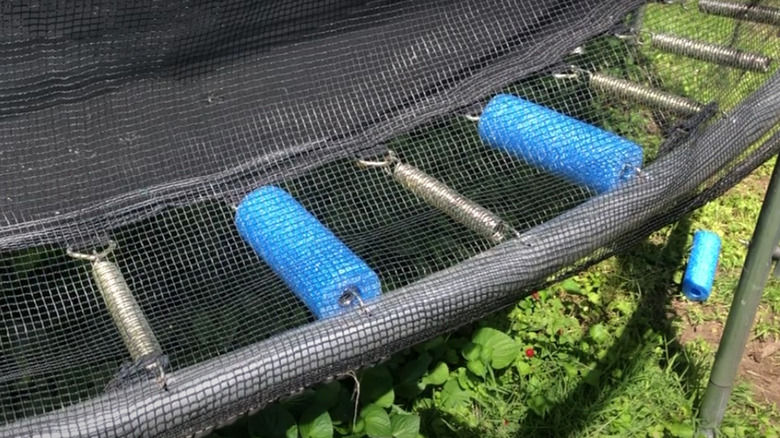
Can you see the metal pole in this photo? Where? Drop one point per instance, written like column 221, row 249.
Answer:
column 755, row 273
column 776, row 271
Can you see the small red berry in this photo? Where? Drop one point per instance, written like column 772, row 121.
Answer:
column 529, row 352
column 535, row 295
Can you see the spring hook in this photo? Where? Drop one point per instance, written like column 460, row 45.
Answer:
column 636, row 37
column 443, row 198
column 572, row 72
column 741, row 11
column 710, row 52
column 350, row 297
column 136, row 333
column 682, row 3
column 645, row 95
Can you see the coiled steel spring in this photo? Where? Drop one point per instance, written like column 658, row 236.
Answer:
column 644, row 95
column 443, row 198
column 741, row 11
column 136, row 333
column 710, row 52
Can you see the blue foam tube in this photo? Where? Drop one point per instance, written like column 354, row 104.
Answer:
column 310, row 259
column 561, row 145
column 702, row 263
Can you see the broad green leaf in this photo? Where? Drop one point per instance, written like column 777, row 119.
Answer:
column 486, row 355
column 463, row 379
column 342, row 429
column 451, row 356
column 360, row 426
column 593, row 377
column 523, row 367
column 622, row 306
column 414, row 370
column 376, row 386
column 598, row 333
column 410, row 374
column 273, row 422
column 504, row 353
column 501, row 349
column 315, row 423
column 431, row 345
column 327, row 394
column 680, row 430
column 377, row 422
column 524, row 305
column 656, row 431
column 453, row 396
column 344, row 409
column 438, row 375
column 409, row 391
column 486, row 336
column 570, row 369
column 423, row 404
column 298, row 403
column 571, row 286
column 440, row 427
column 477, row 367
column 405, row 426
column 538, row 404
column 471, row 351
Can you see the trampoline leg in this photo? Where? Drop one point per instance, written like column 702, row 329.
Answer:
column 755, row 274
column 776, row 270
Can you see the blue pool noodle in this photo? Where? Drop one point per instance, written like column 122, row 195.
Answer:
column 702, row 263
column 561, row 145
column 307, row 256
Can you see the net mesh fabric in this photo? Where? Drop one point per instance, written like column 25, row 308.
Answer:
column 146, row 123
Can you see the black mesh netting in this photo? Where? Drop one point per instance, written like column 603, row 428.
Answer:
column 147, row 122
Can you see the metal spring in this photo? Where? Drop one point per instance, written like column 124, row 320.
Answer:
column 709, row 52
column 645, row 95
column 137, row 334
column 443, row 198
column 741, row 11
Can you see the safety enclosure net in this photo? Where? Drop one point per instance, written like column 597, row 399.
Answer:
column 208, row 205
